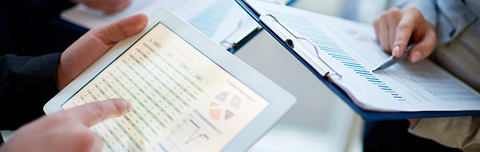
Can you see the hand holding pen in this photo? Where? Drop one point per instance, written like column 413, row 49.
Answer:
column 396, row 28
column 392, row 60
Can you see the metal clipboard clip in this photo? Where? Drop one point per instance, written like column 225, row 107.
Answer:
column 230, row 43
column 291, row 40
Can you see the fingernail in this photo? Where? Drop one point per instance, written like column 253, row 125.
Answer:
column 396, row 51
column 415, row 57
column 127, row 105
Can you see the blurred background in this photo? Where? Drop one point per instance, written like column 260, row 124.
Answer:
column 359, row 10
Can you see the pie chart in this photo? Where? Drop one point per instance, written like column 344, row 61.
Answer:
column 223, row 106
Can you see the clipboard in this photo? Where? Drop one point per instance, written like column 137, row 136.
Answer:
column 287, row 39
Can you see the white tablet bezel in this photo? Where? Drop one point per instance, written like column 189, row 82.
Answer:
column 280, row 101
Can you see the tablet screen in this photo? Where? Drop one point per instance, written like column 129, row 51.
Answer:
column 182, row 101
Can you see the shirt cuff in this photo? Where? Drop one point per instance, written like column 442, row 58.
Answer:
column 448, row 131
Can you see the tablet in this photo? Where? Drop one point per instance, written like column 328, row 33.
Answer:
column 187, row 92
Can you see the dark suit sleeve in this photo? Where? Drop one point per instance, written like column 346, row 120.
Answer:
column 26, row 84
column 49, row 5
column 27, row 25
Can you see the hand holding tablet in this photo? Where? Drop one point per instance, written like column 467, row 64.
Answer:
column 187, row 93
column 68, row 130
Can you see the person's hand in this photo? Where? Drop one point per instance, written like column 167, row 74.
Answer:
column 91, row 46
column 67, row 130
column 414, row 122
column 397, row 28
column 110, row 6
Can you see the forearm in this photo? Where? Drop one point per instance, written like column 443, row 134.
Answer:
column 26, row 84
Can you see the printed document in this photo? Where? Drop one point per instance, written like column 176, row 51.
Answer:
column 352, row 50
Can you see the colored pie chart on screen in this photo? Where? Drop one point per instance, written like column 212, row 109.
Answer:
column 224, row 105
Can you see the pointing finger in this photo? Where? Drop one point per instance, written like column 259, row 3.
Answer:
column 93, row 113
column 394, row 17
column 404, row 30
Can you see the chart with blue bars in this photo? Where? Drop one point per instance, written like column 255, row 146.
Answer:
column 305, row 28
column 208, row 21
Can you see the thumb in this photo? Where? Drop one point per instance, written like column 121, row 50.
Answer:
column 91, row 46
column 93, row 113
column 120, row 29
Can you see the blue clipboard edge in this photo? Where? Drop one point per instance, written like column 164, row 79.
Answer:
column 366, row 114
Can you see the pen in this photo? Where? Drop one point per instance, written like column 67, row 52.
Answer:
column 391, row 60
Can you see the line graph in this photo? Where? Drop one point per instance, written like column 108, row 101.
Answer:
column 193, row 136
column 188, row 135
